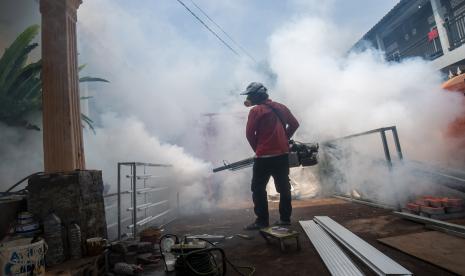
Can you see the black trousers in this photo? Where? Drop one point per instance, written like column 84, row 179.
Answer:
column 263, row 168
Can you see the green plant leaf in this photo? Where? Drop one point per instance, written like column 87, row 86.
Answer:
column 82, row 67
column 88, row 122
column 17, row 68
column 21, row 84
column 15, row 54
column 30, row 71
column 30, row 88
column 92, row 79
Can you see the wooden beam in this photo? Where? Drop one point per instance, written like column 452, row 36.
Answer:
column 62, row 129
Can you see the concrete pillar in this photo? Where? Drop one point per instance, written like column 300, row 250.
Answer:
column 438, row 13
column 62, row 130
column 380, row 43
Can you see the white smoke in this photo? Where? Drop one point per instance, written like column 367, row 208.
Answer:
column 162, row 89
column 338, row 94
column 335, row 93
column 21, row 153
column 127, row 140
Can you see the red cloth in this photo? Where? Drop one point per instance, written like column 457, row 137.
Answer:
column 433, row 34
column 265, row 132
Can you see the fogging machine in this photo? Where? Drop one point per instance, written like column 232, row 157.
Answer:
column 300, row 154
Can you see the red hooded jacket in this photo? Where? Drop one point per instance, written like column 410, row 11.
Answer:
column 265, row 132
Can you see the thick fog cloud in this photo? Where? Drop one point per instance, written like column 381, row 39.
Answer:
column 337, row 94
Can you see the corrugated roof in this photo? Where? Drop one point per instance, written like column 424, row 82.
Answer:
column 398, row 8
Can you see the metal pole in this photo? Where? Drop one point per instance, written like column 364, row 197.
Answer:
column 134, row 198
column 386, row 148
column 177, row 203
column 397, row 143
column 145, row 195
column 440, row 18
column 119, row 201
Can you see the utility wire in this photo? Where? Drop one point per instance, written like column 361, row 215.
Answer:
column 223, row 31
column 208, row 28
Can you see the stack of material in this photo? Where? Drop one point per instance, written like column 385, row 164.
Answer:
column 323, row 232
column 436, row 207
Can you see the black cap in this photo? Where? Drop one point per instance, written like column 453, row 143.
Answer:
column 255, row 87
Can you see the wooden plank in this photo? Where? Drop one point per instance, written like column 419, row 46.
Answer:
column 437, row 248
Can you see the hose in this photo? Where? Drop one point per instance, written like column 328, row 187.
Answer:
column 22, row 180
column 202, row 262
column 235, row 267
column 20, row 192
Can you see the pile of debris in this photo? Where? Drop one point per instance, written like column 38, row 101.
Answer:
column 442, row 208
column 131, row 257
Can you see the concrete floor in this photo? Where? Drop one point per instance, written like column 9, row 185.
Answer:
column 367, row 222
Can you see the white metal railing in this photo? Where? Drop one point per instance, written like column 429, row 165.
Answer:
column 153, row 202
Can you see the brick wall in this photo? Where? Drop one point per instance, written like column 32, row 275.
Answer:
column 74, row 196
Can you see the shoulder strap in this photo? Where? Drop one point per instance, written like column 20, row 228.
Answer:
column 277, row 115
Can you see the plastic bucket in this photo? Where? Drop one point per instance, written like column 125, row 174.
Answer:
column 20, row 257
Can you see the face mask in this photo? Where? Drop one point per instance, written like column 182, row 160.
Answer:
column 247, row 103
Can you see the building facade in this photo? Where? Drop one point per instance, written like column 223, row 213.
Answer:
column 431, row 29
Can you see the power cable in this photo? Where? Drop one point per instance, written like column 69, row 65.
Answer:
column 196, row 262
column 22, row 180
column 224, row 32
column 208, row 28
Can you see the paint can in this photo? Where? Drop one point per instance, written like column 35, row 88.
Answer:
column 21, row 257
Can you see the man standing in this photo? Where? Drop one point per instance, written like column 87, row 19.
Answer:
column 270, row 125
